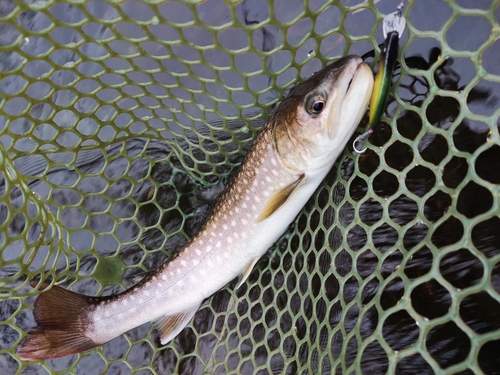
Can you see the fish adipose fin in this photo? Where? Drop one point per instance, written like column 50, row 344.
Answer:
column 247, row 272
column 171, row 325
column 279, row 198
column 60, row 327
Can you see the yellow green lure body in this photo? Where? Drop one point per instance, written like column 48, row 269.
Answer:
column 383, row 78
column 393, row 27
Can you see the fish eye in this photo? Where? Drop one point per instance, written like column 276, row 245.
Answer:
column 315, row 105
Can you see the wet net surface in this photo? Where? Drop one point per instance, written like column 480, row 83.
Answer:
column 121, row 122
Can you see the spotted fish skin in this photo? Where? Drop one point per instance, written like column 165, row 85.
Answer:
column 225, row 245
column 290, row 157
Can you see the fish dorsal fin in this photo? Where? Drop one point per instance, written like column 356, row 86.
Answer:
column 279, row 198
column 247, row 272
column 171, row 325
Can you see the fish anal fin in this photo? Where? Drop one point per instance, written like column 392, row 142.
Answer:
column 61, row 325
column 279, row 198
column 171, row 325
column 247, row 272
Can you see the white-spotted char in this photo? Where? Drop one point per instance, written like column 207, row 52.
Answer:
column 286, row 163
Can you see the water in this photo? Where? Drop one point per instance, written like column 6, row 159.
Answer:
column 187, row 183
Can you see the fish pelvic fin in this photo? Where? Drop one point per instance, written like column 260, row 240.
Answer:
column 171, row 325
column 279, row 198
column 247, row 272
column 61, row 325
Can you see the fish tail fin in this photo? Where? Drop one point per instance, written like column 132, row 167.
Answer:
column 61, row 325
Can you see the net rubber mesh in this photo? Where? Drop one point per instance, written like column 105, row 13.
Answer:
column 121, row 121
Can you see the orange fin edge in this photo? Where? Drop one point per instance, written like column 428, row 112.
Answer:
column 61, row 326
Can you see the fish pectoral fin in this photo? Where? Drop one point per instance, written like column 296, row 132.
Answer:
column 171, row 325
column 247, row 272
column 279, row 198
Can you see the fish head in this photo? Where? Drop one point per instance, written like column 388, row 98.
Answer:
column 313, row 124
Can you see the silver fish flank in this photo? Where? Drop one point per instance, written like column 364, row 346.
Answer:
column 286, row 163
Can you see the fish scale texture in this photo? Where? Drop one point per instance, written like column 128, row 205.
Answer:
column 121, row 122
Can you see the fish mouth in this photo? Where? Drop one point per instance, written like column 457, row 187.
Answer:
column 359, row 66
column 358, row 89
column 360, row 82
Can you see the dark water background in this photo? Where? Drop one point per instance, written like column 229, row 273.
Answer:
column 187, row 183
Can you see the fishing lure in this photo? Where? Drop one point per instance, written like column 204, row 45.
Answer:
column 392, row 27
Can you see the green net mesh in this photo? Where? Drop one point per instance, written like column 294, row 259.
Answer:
column 121, row 121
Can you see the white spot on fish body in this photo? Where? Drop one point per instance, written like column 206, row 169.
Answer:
column 274, row 172
column 198, row 252
column 244, row 205
column 268, row 179
column 178, row 271
column 164, row 277
column 218, row 259
column 218, row 245
column 273, row 161
column 224, row 227
column 210, row 263
column 244, row 221
column 229, row 240
column 192, row 278
column 183, row 263
column 233, row 223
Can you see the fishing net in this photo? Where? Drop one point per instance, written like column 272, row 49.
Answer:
column 121, row 121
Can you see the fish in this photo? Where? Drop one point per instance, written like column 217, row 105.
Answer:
column 290, row 157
